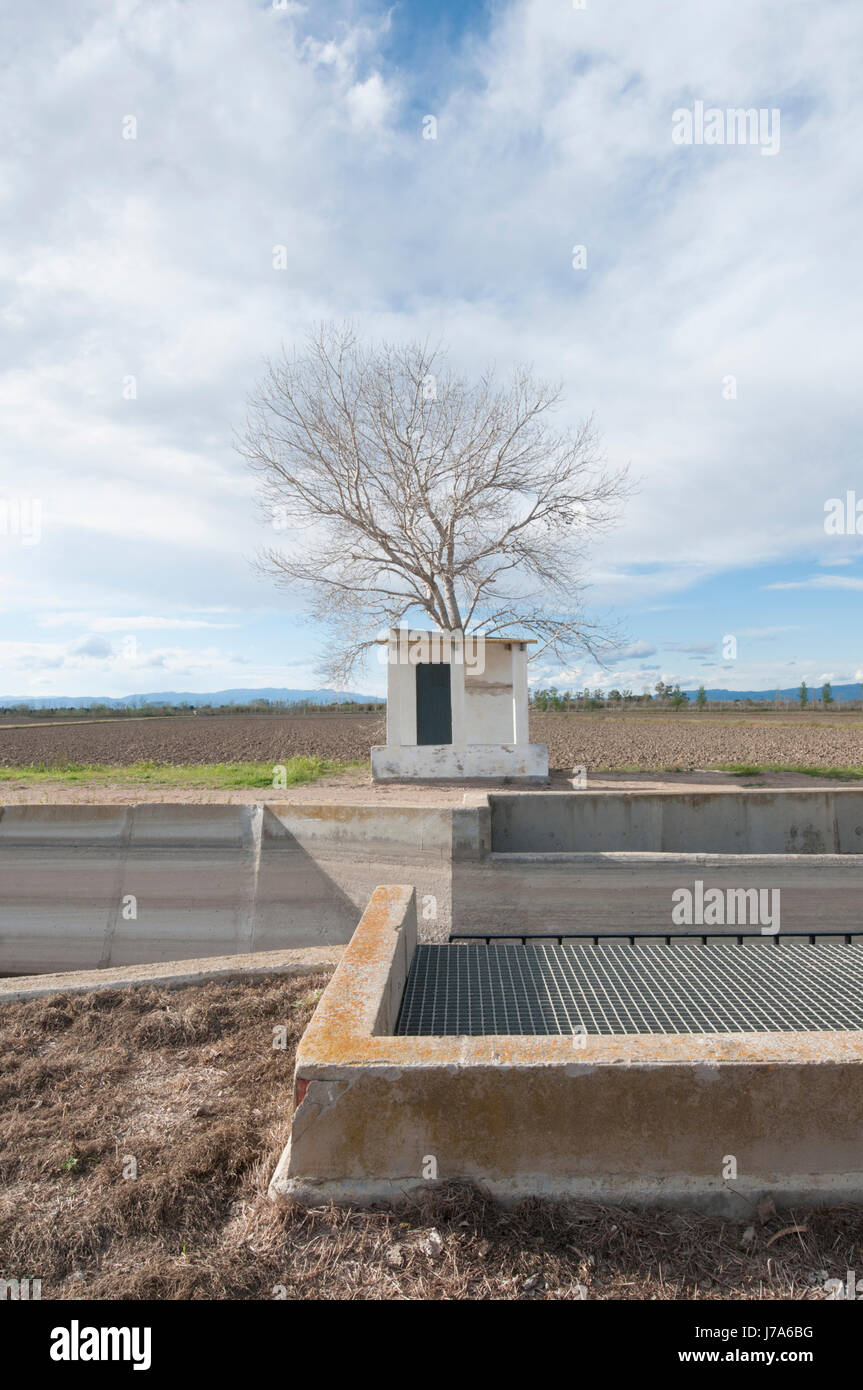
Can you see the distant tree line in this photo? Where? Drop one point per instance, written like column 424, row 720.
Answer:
column 667, row 696
column 102, row 711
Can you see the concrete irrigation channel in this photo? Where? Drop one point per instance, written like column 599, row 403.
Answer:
column 517, row 1005
column 90, row 886
column 83, row 887
column 610, row 862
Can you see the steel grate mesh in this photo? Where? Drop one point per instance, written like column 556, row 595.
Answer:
column 571, row 986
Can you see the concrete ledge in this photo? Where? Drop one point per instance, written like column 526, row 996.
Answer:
column 711, row 1196
column 524, row 763
column 721, row 822
column 594, row 859
column 648, row 1119
column 308, row 961
column 391, row 832
column 83, row 826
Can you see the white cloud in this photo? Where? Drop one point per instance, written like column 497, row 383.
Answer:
column 819, row 581
column 139, row 623
column 615, row 655
column 369, row 103
column 97, row 647
column 152, row 258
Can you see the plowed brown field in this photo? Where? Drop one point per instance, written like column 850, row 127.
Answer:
column 653, row 741
column 689, row 741
column 239, row 738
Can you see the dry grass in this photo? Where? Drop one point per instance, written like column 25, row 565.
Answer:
column 188, row 1083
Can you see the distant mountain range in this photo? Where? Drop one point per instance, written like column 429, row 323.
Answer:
column 839, row 692
column 185, row 697
column 336, row 697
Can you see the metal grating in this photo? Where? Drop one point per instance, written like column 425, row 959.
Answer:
column 569, row 986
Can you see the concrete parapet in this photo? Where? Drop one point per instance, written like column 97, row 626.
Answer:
column 720, row 822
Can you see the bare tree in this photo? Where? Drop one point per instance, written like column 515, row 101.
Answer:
column 409, row 490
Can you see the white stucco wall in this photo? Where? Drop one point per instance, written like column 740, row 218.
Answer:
column 401, row 703
column 488, row 691
column 488, row 698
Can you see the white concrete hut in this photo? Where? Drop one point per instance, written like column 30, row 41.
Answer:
column 457, row 710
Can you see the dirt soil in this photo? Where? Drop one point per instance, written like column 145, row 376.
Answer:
column 218, row 738
column 688, row 741
column 643, row 742
column 188, row 1085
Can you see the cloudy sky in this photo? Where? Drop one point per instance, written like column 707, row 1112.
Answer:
column 155, row 152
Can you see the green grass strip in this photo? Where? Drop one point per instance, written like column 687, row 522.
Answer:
column 837, row 774
column 291, row 773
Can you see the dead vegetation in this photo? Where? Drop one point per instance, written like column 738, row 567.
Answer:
column 188, row 1085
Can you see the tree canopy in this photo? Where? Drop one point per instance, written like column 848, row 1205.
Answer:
column 405, row 490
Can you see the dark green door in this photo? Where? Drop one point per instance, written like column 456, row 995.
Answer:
column 434, row 707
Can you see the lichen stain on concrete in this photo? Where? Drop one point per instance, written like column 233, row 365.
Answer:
column 805, row 841
column 638, row 1051
column 601, row 1124
column 326, row 812
column 349, row 1005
